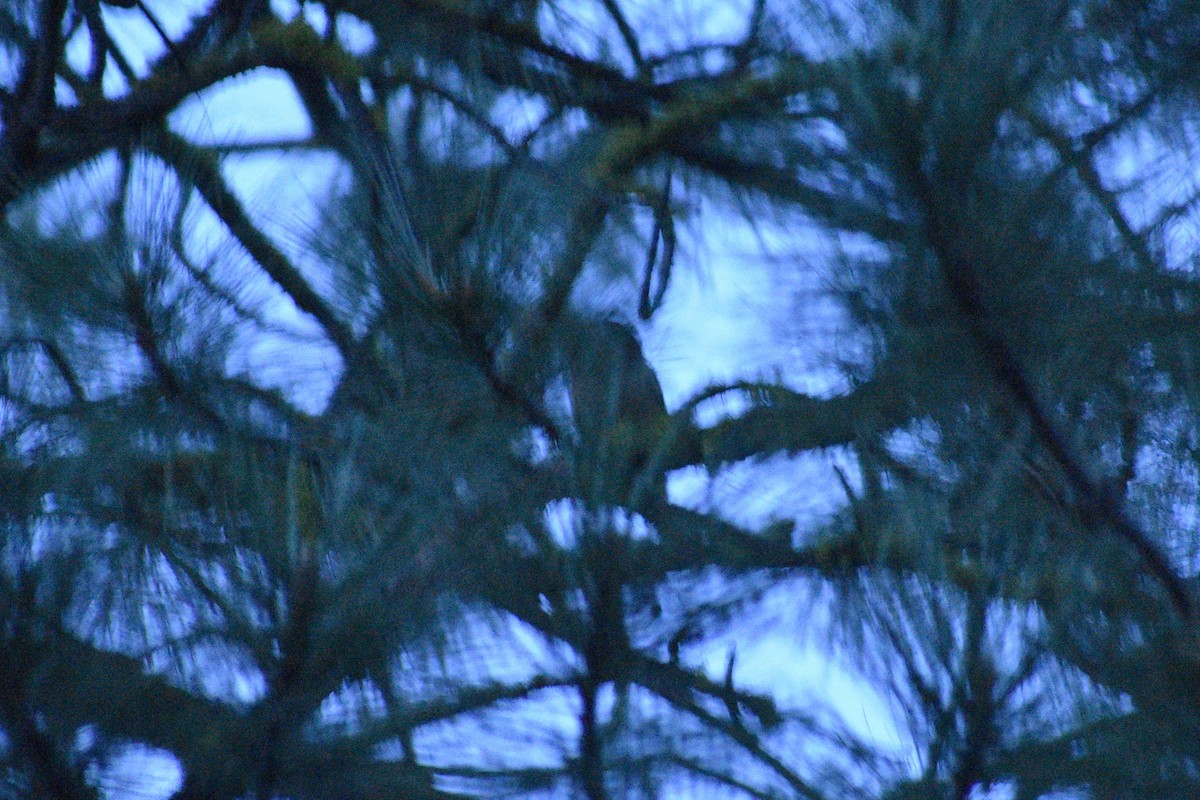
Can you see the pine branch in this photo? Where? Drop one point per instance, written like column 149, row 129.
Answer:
column 204, row 173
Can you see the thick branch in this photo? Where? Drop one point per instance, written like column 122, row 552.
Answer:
column 1098, row 503
column 82, row 685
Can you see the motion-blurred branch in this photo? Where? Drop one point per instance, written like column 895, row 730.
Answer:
column 204, row 173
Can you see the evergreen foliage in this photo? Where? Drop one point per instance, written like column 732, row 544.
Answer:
column 449, row 551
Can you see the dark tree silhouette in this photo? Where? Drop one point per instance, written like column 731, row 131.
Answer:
column 381, row 497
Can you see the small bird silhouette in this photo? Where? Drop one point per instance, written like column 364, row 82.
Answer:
column 619, row 411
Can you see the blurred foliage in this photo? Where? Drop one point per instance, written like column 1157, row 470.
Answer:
column 457, row 569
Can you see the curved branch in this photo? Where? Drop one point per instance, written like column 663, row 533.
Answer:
column 56, row 356
column 628, row 36
column 653, row 677
column 204, row 173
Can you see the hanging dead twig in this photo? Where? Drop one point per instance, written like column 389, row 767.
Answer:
column 664, row 232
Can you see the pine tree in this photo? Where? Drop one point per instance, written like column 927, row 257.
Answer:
column 449, row 551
